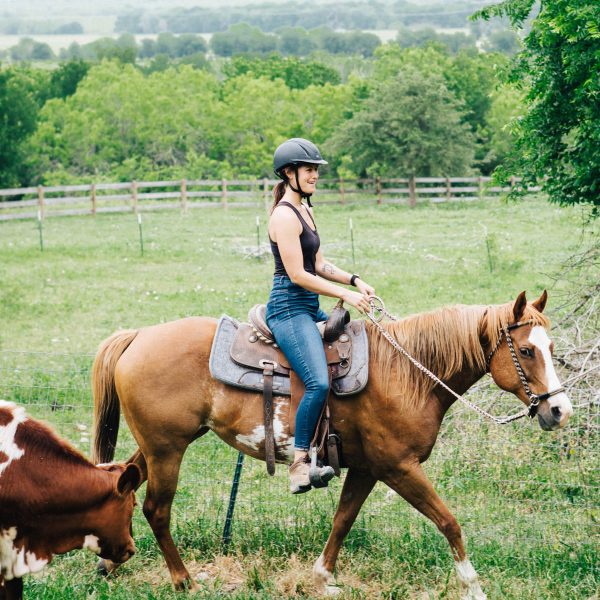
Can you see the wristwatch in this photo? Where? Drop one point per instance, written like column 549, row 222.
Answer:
column 354, row 278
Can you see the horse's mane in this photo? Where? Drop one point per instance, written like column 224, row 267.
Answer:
column 444, row 340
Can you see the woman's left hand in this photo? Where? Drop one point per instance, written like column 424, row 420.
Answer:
column 364, row 288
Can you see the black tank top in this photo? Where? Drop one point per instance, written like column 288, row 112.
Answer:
column 309, row 241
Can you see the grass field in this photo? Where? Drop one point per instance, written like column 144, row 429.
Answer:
column 527, row 500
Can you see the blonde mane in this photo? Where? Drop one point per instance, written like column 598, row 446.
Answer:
column 445, row 341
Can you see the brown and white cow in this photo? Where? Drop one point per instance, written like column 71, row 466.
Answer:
column 52, row 500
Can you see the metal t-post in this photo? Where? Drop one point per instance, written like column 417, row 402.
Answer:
column 232, row 498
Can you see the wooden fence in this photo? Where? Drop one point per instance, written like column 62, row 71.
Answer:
column 41, row 202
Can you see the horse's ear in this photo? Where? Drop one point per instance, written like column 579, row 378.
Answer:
column 540, row 303
column 519, row 307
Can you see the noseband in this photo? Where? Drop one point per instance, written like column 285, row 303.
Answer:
column 534, row 399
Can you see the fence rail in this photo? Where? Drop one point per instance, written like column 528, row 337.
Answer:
column 136, row 196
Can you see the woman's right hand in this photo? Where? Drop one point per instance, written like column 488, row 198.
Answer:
column 357, row 300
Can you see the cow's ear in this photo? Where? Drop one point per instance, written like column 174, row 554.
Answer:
column 519, row 306
column 540, row 303
column 130, row 479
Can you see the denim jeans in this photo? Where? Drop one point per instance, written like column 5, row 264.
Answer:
column 292, row 316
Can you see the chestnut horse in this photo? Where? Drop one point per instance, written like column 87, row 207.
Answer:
column 159, row 377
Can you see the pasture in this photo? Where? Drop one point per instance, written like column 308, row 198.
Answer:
column 526, row 499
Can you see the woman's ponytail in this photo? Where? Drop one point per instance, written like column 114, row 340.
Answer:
column 278, row 193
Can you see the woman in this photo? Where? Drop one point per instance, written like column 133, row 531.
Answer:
column 301, row 274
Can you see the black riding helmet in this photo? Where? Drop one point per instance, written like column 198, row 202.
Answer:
column 295, row 152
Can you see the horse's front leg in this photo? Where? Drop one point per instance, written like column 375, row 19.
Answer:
column 356, row 488
column 412, row 484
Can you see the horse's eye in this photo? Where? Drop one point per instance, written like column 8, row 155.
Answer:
column 528, row 352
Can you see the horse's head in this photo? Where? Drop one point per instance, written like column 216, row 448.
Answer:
column 521, row 363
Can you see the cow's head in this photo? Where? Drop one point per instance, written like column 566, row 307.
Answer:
column 112, row 536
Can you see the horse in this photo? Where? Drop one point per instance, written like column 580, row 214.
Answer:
column 159, row 377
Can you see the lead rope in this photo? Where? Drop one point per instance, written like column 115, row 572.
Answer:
column 377, row 306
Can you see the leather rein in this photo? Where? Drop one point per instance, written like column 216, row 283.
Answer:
column 378, row 307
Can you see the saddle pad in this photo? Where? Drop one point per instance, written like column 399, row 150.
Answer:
column 225, row 369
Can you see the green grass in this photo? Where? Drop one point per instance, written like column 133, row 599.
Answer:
column 527, row 500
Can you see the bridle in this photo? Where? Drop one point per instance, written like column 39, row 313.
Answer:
column 534, row 399
column 377, row 313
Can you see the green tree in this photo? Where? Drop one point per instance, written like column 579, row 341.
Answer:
column 297, row 73
column 410, row 125
column 242, row 38
column 65, row 79
column 558, row 138
column 20, row 99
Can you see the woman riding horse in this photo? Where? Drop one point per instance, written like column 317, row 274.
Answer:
column 301, row 274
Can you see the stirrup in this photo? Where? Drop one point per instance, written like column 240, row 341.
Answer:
column 319, row 476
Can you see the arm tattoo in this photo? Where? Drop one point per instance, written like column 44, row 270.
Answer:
column 328, row 268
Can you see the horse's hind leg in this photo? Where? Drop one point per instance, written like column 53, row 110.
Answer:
column 163, row 473
column 357, row 486
column 412, row 484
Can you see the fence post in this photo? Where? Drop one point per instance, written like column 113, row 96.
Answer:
column 184, row 195
column 512, row 182
column 412, row 192
column 224, row 193
column 93, row 198
column 41, row 202
column 480, row 183
column 378, row 188
column 134, row 196
column 266, row 193
column 342, row 191
column 448, row 188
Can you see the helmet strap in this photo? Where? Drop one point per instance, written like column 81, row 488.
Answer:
column 299, row 190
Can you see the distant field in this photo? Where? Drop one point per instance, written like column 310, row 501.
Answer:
column 527, row 500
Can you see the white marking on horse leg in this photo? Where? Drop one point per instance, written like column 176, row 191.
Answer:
column 324, row 579
column 7, row 434
column 539, row 338
column 468, row 578
column 91, row 542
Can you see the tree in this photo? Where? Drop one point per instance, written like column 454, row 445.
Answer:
column 65, row 79
column 20, row 98
column 409, row 125
column 558, row 138
column 296, row 73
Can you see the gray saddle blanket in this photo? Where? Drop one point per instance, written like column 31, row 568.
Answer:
column 225, row 369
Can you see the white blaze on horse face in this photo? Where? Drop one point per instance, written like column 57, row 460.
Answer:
column 14, row 562
column 7, row 434
column 468, row 577
column 539, row 338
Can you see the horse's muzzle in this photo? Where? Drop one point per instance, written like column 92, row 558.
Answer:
column 554, row 417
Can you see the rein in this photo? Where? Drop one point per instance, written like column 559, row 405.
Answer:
column 377, row 306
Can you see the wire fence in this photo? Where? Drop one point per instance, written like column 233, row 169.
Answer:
column 530, row 488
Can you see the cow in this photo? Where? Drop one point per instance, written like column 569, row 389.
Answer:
column 53, row 500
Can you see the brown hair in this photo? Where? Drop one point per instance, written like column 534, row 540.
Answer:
column 278, row 192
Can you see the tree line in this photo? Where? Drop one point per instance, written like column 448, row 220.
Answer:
column 422, row 111
column 415, row 111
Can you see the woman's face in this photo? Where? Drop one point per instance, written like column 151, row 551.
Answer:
column 308, row 175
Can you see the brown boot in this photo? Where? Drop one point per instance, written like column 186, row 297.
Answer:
column 299, row 480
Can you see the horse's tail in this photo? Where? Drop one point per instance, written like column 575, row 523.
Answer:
column 107, row 410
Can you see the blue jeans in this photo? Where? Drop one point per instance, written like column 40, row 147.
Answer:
column 292, row 316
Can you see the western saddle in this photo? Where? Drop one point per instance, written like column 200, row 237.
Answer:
column 255, row 348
